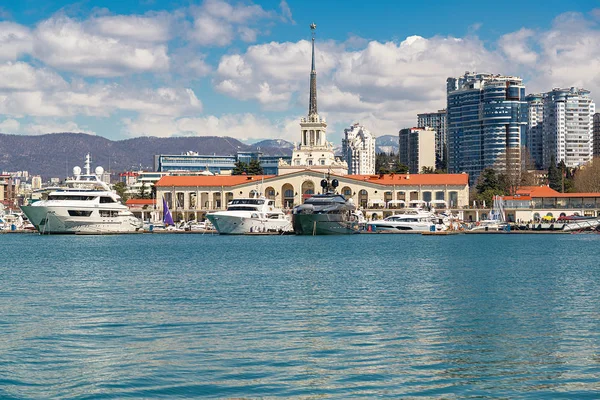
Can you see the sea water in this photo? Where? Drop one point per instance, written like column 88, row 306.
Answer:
column 143, row 316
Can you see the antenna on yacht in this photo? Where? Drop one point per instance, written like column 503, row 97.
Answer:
column 262, row 182
column 87, row 164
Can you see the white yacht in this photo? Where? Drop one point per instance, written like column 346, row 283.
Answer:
column 250, row 215
column 85, row 205
column 411, row 220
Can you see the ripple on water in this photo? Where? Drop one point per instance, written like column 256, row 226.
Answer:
column 143, row 316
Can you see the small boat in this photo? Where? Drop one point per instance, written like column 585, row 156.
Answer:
column 413, row 219
column 250, row 215
column 496, row 220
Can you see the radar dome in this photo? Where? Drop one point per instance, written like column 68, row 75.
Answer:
column 76, row 171
column 99, row 170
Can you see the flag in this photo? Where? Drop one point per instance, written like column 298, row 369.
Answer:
column 167, row 218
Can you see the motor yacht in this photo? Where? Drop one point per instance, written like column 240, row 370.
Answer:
column 411, row 220
column 328, row 213
column 250, row 215
column 84, row 205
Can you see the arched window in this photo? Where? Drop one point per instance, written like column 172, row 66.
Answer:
column 427, row 196
column 363, row 198
column 288, row 196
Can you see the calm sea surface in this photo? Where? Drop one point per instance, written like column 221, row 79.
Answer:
column 144, row 316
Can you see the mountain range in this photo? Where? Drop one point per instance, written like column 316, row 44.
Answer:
column 55, row 154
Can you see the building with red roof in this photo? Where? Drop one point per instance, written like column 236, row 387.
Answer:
column 531, row 203
column 190, row 196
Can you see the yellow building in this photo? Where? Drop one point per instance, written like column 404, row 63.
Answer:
column 189, row 197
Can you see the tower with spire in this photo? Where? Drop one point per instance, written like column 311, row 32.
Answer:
column 314, row 151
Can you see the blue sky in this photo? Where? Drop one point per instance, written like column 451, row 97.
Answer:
column 122, row 69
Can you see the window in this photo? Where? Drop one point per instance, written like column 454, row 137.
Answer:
column 79, row 213
column 109, row 213
column 106, row 199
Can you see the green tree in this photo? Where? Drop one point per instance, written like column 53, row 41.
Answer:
column 488, row 180
column 554, row 175
column 427, row 170
column 254, row 168
column 121, row 189
column 490, row 184
column 240, row 168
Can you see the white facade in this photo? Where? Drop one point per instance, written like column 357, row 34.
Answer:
column 568, row 126
column 437, row 122
column 36, row 182
column 417, row 148
column 359, row 150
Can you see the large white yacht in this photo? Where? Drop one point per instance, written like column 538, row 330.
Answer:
column 84, row 205
column 411, row 220
column 250, row 215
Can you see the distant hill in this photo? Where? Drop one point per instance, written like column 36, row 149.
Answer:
column 386, row 144
column 55, row 155
column 274, row 147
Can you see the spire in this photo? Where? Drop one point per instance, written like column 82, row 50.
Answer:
column 312, row 103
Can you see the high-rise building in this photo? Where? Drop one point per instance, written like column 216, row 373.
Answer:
column 534, row 137
column 358, row 147
column 314, row 151
column 436, row 121
column 486, row 117
column 36, row 182
column 417, row 148
column 568, row 126
column 597, row 135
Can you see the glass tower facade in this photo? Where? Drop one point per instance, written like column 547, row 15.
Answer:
column 486, row 120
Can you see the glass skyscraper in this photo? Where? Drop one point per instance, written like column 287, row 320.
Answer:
column 486, row 117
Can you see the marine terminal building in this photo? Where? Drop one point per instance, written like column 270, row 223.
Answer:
column 190, row 197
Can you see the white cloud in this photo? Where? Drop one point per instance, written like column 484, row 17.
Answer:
column 218, row 23
column 239, row 126
column 148, row 28
column 9, row 126
column 286, row 12
column 515, row 46
column 15, row 40
column 25, row 90
column 43, row 126
column 272, row 73
column 22, row 76
column 66, row 44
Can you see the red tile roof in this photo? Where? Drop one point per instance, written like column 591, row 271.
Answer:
column 578, row 195
column 537, row 191
column 517, row 197
column 546, row 191
column 140, row 202
column 215, row 180
column 413, row 179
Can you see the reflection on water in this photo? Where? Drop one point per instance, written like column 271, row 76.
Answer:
column 373, row 315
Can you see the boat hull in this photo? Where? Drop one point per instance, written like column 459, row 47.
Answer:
column 55, row 220
column 239, row 225
column 323, row 224
column 405, row 227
